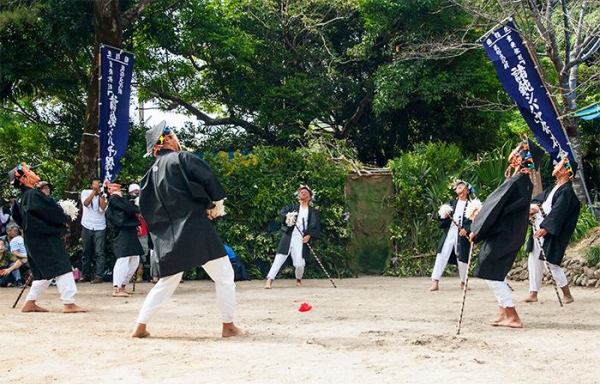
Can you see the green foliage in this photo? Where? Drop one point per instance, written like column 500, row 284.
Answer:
column 422, row 179
column 585, row 223
column 592, row 255
column 260, row 183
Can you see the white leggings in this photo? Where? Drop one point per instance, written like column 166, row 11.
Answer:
column 502, row 293
column 297, row 260
column 219, row 270
column 124, row 269
column 536, row 270
column 441, row 260
column 65, row 284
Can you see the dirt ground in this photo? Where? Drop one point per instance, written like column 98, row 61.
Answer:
column 367, row 330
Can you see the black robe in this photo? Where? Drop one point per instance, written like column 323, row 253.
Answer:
column 43, row 222
column 560, row 222
column 313, row 229
column 175, row 194
column 121, row 215
column 464, row 245
column 501, row 227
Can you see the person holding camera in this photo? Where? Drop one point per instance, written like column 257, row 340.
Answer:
column 93, row 231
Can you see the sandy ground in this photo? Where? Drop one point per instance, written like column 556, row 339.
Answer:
column 369, row 329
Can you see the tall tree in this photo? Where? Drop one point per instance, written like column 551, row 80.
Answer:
column 565, row 34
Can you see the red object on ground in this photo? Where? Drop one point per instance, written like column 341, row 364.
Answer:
column 305, row 307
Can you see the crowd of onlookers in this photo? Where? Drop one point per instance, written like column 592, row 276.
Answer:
column 14, row 269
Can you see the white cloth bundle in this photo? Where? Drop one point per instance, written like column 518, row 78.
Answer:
column 473, row 209
column 69, row 207
column 219, row 209
column 290, row 218
column 445, row 211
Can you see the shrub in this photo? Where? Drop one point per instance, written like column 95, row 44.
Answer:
column 592, row 255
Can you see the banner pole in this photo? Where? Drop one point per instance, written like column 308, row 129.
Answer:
column 99, row 160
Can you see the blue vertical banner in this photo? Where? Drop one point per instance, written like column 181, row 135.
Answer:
column 116, row 68
column 520, row 78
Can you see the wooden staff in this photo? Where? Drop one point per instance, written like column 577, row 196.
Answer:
column 315, row 256
column 27, row 282
column 464, row 297
column 546, row 263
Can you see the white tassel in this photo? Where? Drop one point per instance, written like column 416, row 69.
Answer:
column 290, row 219
column 69, row 207
column 219, row 209
column 445, row 211
column 473, row 209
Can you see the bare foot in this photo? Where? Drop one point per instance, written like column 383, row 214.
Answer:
column 568, row 299
column 73, row 308
column 120, row 293
column 530, row 298
column 501, row 317
column 298, row 282
column 434, row 286
column 269, row 283
column 140, row 331
column 124, row 290
column 230, row 330
column 511, row 320
column 31, row 306
column 462, row 286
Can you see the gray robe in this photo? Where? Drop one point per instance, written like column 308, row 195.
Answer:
column 560, row 222
column 43, row 222
column 122, row 218
column 175, row 194
column 464, row 246
column 313, row 228
column 501, row 227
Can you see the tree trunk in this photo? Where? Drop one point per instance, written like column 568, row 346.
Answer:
column 107, row 25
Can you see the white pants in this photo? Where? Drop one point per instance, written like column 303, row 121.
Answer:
column 124, row 269
column 441, row 260
column 502, row 293
column 65, row 284
column 219, row 270
column 536, row 270
column 297, row 260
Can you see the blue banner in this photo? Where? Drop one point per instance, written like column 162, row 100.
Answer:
column 116, row 68
column 517, row 72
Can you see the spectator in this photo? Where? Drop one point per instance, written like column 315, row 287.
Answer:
column 93, row 231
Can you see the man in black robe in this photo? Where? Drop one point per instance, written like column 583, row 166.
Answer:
column 501, row 227
column 299, row 225
column 43, row 223
column 177, row 202
column 554, row 216
column 454, row 245
column 121, row 215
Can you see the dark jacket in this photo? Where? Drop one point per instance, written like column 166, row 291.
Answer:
column 501, row 227
column 464, row 245
column 175, row 194
column 43, row 222
column 313, row 228
column 122, row 218
column 560, row 222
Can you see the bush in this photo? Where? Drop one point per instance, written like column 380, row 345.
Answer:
column 592, row 255
column 259, row 184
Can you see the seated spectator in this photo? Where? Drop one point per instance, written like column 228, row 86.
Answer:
column 10, row 273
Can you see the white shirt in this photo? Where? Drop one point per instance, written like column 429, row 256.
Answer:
column 92, row 217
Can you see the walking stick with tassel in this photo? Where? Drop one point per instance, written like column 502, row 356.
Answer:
column 464, row 296
column 27, row 283
column 546, row 263
column 315, row 256
column 474, row 208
